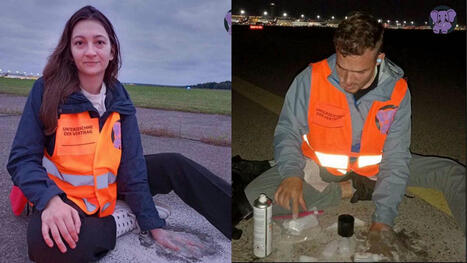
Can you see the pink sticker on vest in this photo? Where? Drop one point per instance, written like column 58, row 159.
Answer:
column 117, row 135
column 385, row 117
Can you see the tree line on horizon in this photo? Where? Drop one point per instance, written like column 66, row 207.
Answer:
column 226, row 85
column 213, row 85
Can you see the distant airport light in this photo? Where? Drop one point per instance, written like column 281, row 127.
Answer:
column 302, row 15
column 37, row 74
column 411, row 22
column 426, row 22
column 379, row 20
column 332, row 17
column 397, row 21
column 284, row 14
column 456, row 26
column 256, row 27
column 388, row 21
column 242, row 12
column 317, row 16
column 265, row 13
column 273, row 4
column 405, row 21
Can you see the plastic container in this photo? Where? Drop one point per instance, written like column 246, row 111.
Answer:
column 330, row 249
column 345, row 225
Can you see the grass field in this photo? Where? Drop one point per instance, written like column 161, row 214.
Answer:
column 194, row 100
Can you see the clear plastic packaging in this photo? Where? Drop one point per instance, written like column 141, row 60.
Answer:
column 366, row 257
column 344, row 248
column 297, row 230
column 330, row 249
column 296, row 226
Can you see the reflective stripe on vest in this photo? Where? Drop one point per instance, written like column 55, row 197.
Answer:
column 367, row 160
column 106, row 206
column 91, row 208
column 102, row 180
column 333, row 160
column 340, row 162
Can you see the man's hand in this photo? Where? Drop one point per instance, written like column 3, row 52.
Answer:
column 61, row 220
column 364, row 188
column 188, row 245
column 291, row 188
column 377, row 227
column 382, row 240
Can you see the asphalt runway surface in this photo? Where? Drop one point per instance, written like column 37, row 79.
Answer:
column 268, row 60
column 217, row 159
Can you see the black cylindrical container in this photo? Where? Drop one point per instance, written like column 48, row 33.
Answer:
column 345, row 225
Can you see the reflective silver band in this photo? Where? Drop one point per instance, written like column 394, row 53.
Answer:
column 102, row 180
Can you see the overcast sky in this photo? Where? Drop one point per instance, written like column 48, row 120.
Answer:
column 175, row 42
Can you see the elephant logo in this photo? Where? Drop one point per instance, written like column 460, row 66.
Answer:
column 443, row 19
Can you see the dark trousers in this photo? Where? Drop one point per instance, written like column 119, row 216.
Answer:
column 208, row 194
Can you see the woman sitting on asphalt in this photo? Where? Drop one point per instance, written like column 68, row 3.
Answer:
column 77, row 153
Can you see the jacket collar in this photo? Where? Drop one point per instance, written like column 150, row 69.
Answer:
column 117, row 100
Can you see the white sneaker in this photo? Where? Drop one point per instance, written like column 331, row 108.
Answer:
column 125, row 220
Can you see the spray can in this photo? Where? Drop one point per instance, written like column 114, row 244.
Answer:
column 262, row 214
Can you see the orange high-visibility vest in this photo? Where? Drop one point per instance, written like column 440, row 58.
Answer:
column 329, row 141
column 85, row 161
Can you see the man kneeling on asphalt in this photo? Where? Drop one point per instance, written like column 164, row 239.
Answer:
column 346, row 120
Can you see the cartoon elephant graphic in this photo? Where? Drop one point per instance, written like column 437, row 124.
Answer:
column 442, row 20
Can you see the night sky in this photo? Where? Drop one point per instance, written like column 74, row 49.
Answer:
column 418, row 11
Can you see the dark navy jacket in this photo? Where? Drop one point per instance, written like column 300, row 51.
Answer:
column 25, row 161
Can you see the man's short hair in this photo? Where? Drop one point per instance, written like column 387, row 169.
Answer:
column 357, row 33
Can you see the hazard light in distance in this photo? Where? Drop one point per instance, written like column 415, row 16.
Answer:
column 256, row 27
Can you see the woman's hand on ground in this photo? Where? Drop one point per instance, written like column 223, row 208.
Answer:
column 61, row 220
column 179, row 242
column 291, row 189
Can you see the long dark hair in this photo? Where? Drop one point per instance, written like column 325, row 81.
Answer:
column 61, row 75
